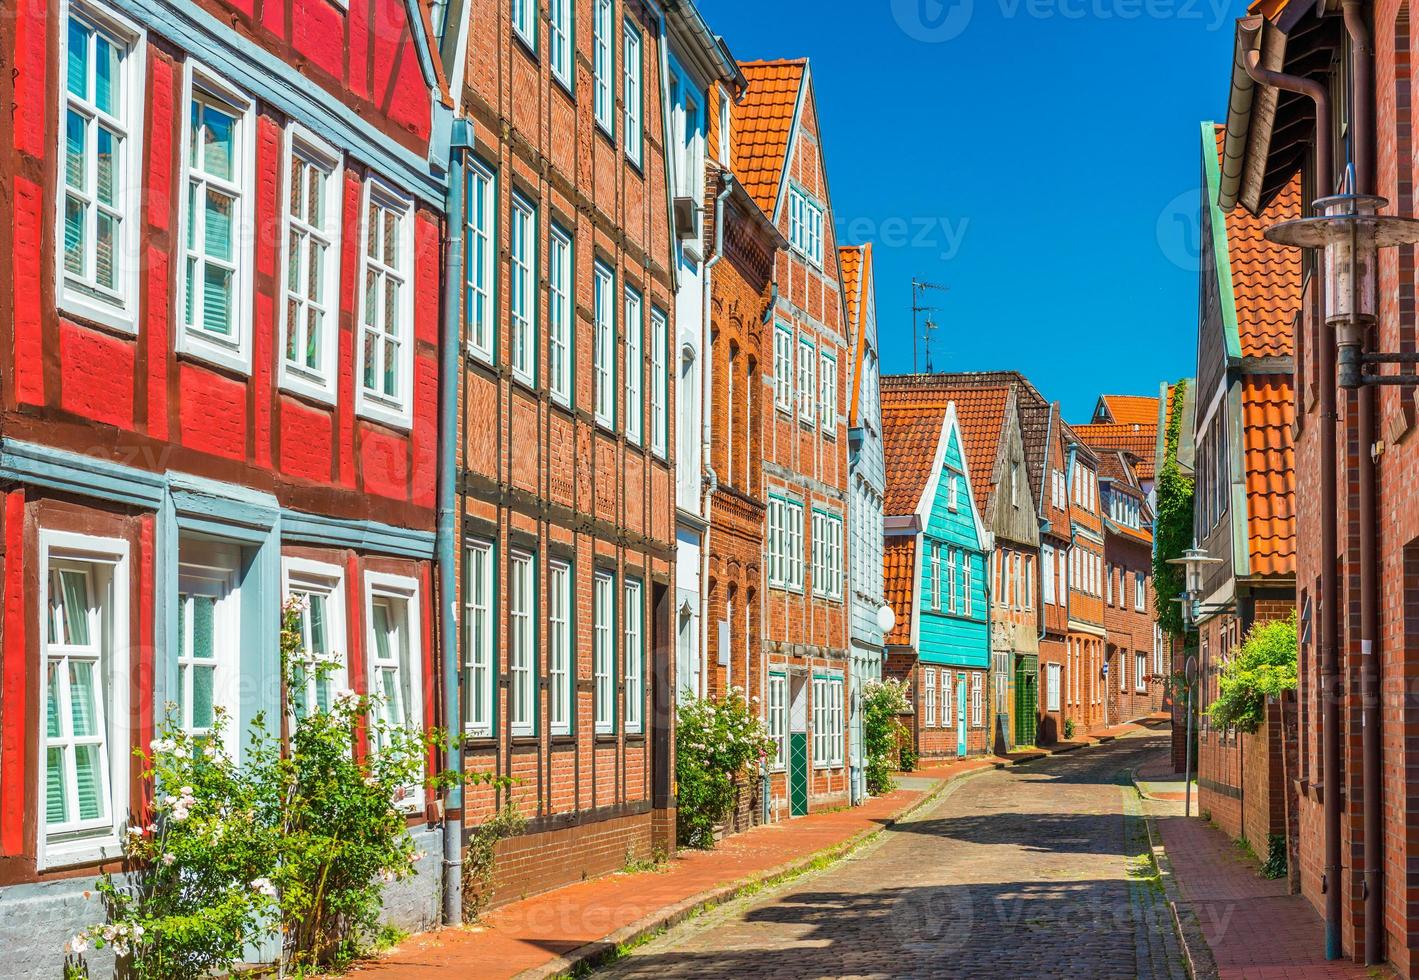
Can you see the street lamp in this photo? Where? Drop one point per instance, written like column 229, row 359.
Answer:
column 1194, row 561
column 1351, row 231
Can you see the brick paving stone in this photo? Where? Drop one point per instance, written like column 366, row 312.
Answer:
column 1039, row 871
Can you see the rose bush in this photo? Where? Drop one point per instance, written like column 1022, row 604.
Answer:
column 717, row 741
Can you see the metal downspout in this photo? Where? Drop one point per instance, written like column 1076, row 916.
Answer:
column 1331, row 689
column 1362, row 120
column 450, row 350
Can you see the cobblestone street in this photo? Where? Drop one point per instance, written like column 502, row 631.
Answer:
column 1035, row 871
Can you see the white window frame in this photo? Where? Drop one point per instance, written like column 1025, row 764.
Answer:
column 603, row 62
column 96, row 840
column 633, row 656
column 82, row 296
column 777, row 717
column 659, row 382
column 603, row 348
column 561, row 313
column 1140, row 591
column 405, row 590
column 1053, row 677
column 953, row 493
column 929, row 700
column 318, row 382
column 522, row 289
column 521, row 600
column 934, row 570
column 306, row 576
column 480, row 633
column 791, row 544
column 827, row 555
column 977, row 699
column 633, row 92
column 394, row 411
column 948, row 698
column 828, row 394
column 481, row 262
column 783, row 367
column 233, row 353
column 807, row 382
column 603, row 658
column 635, row 365
column 561, row 657
column 1140, row 672
column 524, row 22
column 217, row 578
column 968, row 568
column 805, row 225
column 951, row 559
column 561, row 46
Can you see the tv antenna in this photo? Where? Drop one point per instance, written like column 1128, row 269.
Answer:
column 919, row 290
column 929, row 326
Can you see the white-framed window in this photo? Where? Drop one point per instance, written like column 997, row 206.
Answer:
column 952, row 557
column 633, row 657
column 602, row 65
column 785, row 543
column 783, row 368
column 828, row 393
column 977, row 699
column 1122, row 671
column 83, row 730
column 827, row 721
column 522, row 642
column 208, row 634
column 928, row 685
column 561, row 666
column 480, row 263
column 1109, row 588
column 560, row 44
column 310, row 313
column 805, row 225
column 218, row 159
column 524, row 21
column 807, row 389
column 604, row 652
column 934, row 574
column 778, row 718
column 1157, row 650
column 1028, row 565
column 1140, row 672
column 522, row 289
column 396, row 665
column 827, row 555
column 100, row 141
column 631, row 92
column 968, row 568
column 1047, row 570
column 479, row 630
column 317, row 591
column 386, row 317
column 659, row 382
column 635, row 366
column 948, row 699
column 604, row 343
column 1140, row 591
column 561, row 314
column 953, row 493
column 1052, row 685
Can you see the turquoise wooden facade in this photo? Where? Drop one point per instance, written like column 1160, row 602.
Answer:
column 953, row 616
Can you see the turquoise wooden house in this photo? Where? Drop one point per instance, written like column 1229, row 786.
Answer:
column 935, row 566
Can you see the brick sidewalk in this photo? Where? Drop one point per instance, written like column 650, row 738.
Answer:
column 534, row 933
column 1254, row 928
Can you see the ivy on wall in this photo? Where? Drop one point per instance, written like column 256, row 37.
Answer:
column 1172, row 526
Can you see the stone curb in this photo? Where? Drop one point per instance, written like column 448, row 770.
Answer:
column 1197, row 954
column 603, row 950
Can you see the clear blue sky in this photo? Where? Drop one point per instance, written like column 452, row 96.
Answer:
column 1039, row 157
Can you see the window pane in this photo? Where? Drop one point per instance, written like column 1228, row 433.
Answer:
column 203, row 679
column 216, row 299
column 74, row 139
column 52, row 679
column 219, row 142
column 106, row 74
column 81, row 699
column 89, row 777
column 56, row 803
column 217, row 225
column 318, row 644
column 103, row 255
column 78, row 59
column 73, row 236
column 76, row 608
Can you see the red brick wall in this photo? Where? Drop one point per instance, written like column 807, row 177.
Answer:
column 1130, row 632
column 533, row 863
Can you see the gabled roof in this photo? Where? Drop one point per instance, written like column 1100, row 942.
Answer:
column 910, row 435
column 855, row 273
column 898, row 580
column 1136, row 439
column 1127, row 409
column 1269, row 461
column 762, row 126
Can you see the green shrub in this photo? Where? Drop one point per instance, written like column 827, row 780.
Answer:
column 716, row 742
column 1069, row 728
column 1263, row 667
column 883, row 702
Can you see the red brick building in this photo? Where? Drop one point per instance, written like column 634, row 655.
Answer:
column 221, row 319
column 778, row 156
column 566, row 451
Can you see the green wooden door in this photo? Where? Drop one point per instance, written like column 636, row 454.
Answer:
column 1026, row 700
column 798, row 774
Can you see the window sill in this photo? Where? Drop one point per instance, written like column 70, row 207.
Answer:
column 91, row 313
column 305, row 389
column 567, row 86
column 78, row 853
column 372, row 411
column 196, row 348
column 606, row 133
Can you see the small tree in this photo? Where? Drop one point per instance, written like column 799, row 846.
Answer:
column 716, row 741
column 883, row 702
column 1264, row 667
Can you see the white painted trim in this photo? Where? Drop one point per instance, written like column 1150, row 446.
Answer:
column 315, row 576
column 406, row 590
column 234, row 355
column 399, row 412
column 105, row 844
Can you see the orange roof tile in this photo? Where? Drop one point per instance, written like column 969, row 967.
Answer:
column 853, row 264
column 980, row 415
column 763, row 124
column 1268, row 412
column 1131, row 409
column 1137, row 439
column 899, row 574
column 910, row 435
column 1266, row 278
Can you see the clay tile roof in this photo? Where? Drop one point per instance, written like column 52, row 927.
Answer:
column 899, row 577
column 910, row 434
column 855, row 269
column 980, row 415
column 763, row 124
column 849, row 268
column 1268, row 411
column 1266, row 278
column 1131, row 409
column 1138, row 439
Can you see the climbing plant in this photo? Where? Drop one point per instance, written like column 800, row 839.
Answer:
column 1172, row 525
